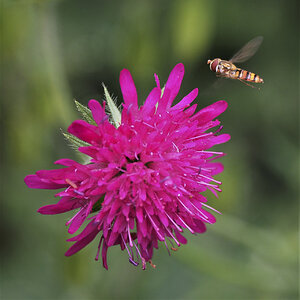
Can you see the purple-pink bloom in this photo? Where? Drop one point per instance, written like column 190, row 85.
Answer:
column 145, row 179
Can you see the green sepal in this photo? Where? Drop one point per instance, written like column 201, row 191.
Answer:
column 74, row 141
column 85, row 112
column 162, row 91
column 161, row 94
column 113, row 109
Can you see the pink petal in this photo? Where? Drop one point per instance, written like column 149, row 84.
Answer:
column 113, row 210
column 142, row 225
column 200, row 226
column 189, row 111
column 210, row 112
column 104, row 255
column 81, row 243
column 163, row 102
column 98, row 112
column 128, row 88
column 180, row 237
column 119, row 224
column 140, row 214
column 220, row 139
column 174, row 82
column 64, row 205
column 84, row 131
column 77, row 221
column 215, row 167
column 89, row 150
column 85, row 232
column 151, row 101
column 210, row 218
column 112, row 239
column 163, row 219
column 35, row 182
column 53, row 173
column 157, row 81
column 187, row 100
column 66, row 162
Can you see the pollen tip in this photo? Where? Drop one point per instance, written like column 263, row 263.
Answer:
column 71, row 183
column 174, row 249
column 152, row 265
column 143, row 263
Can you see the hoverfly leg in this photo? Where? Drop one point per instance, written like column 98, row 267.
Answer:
column 254, row 87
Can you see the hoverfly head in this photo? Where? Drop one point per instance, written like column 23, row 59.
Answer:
column 213, row 64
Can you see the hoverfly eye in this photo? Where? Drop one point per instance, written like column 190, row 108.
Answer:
column 214, row 65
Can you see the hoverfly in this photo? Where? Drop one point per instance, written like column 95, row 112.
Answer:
column 226, row 68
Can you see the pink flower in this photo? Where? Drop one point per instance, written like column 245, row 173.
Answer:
column 145, row 179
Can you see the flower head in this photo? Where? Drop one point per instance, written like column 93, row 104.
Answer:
column 145, row 178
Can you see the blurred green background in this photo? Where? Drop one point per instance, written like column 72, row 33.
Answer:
column 55, row 51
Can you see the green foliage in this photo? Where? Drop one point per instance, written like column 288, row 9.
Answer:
column 53, row 51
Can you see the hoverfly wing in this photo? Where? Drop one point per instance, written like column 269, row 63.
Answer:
column 247, row 51
column 213, row 87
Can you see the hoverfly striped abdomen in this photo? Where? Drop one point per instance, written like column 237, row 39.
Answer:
column 247, row 76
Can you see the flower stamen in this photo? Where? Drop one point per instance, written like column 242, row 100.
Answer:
column 173, row 237
column 200, row 136
column 129, row 236
column 211, row 208
column 187, row 226
column 167, row 247
column 174, row 223
column 210, row 179
column 185, row 207
column 155, row 227
column 131, row 259
column 139, row 255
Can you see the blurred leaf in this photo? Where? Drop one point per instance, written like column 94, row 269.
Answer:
column 192, row 25
column 253, row 274
column 273, row 247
